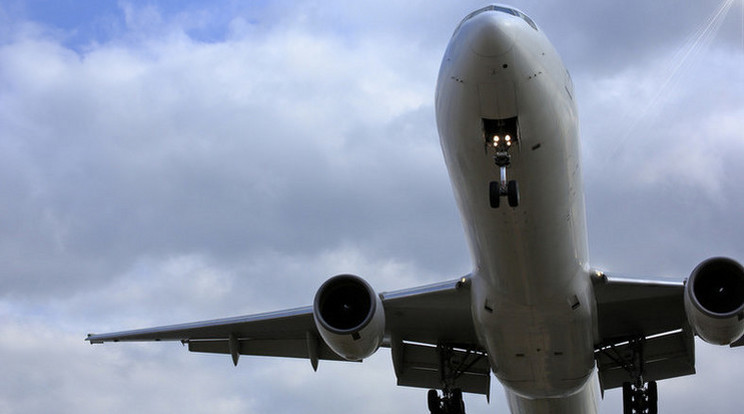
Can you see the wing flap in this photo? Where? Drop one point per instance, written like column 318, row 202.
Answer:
column 665, row 356
column 418, row 365
column 286, row 348
column 431, row 326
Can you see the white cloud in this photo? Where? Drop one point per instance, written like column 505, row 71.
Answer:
column 158, row 176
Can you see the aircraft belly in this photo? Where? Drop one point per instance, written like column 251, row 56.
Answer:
column 537, row 351
column 582, row 402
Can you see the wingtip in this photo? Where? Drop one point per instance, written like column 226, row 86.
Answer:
column 92, row 340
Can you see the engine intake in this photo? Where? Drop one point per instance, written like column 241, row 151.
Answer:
column 349, row 316
column 714, row 300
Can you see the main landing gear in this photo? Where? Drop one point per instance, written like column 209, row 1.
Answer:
column 640, row 399
column 639, row 396
column 449, row 403
column 452, row 366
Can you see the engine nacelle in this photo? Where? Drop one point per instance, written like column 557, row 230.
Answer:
column 349, row 316
column 714, row 300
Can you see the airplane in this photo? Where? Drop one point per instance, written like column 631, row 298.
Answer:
column 554, row 331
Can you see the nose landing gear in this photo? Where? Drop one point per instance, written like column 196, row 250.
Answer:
column 501, row 136
column 509, row 188
column 497, row 189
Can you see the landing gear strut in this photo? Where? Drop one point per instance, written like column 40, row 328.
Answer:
column 639, row 396
column 452, row 365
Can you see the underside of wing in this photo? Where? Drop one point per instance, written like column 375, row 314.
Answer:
column 628, row 308
column 642, row 330
column 646, row 328
column 291, row 333
column 433, row 314
column 433, row 340
column 427, row 328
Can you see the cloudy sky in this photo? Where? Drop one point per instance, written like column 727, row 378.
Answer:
column 170, row 161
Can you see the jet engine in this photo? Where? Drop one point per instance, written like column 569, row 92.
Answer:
column 714, row 300
column 349, row 316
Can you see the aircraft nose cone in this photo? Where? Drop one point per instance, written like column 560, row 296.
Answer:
column 491, row 34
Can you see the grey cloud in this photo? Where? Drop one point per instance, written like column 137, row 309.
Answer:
column 231, row 160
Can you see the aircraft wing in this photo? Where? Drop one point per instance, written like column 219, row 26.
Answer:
column 281, row 334
column 417, row 321
column 643, row 316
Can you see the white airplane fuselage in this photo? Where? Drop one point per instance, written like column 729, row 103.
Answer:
column 532, row 299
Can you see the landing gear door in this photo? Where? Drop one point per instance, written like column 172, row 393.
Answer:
column 497, row 100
